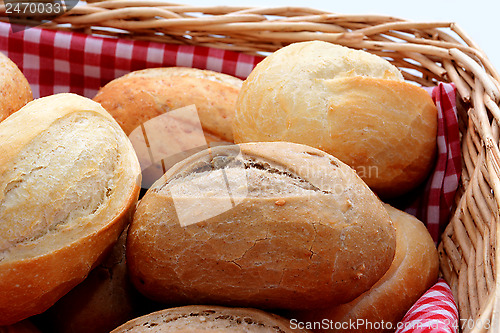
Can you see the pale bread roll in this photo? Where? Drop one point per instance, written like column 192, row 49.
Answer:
column 299, row 230
column 349, row 103
column 414, row 270
column 206, row 319
column 68, row 185
column 171, row 113
column 15, row 90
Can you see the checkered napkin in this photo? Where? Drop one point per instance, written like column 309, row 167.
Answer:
column 433, row 207
column 56, row 61
column 434, row 312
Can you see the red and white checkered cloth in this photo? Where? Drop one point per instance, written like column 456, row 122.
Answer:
column 434, row 312
column 55, row 62
column 433, row 207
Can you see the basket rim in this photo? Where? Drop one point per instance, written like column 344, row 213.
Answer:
column 427, row 52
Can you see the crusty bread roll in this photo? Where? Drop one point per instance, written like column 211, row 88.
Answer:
column 68, row 185
column 349, row 103
column 153, row 108
column 104, row 301
column 414, row 270
column 15, row 90
column 266, row 225
column 203, row 318
column 139, row 96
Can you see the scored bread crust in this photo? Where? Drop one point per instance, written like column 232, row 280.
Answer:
column 62, row 238
column 204, row 318
column 349, row 103
column 414, row 270
column 309, row 232
column 15, row 90
column 140, row 96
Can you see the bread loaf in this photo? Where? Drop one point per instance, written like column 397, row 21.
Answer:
column 202, row 318
column 68, row 185
column 414, row 270
column 349, row 103
column 268, row 225
column 15, row 90
column 170, row 113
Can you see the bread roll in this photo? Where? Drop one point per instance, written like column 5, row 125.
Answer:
column 153, row 108
column 203, row 318
column 68, row 185
column 15, row 90
column 104, row 301
column 349, row 103
column 267, row 225
column 414, row 270
column 139, row 96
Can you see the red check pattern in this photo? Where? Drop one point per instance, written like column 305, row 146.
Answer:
column 434, row 312
column 56, row 61
column 433, row 208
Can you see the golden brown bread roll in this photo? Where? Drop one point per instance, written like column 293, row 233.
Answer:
column 349, row 103
column 15, row 90
column 288, row 236
column 153, row 108
column 205, row 319
column 142, row 95
column 68, row 185
column 414, row 270
column 104, row 301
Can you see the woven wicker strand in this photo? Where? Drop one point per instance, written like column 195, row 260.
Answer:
column 426, row 52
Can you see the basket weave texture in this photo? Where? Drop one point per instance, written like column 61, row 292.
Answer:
column 425, row 52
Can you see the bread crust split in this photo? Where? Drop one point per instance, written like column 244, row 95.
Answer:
column 204, row 318
column 69, row 182
column 304, row 230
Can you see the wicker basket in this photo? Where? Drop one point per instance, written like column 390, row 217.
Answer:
column 425, row 52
